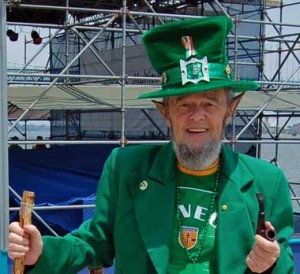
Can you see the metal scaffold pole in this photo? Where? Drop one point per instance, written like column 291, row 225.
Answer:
column 123, row 86
column 4, row 215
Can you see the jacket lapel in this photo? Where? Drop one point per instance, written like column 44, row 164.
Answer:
column 154, row 204
column 234, row 238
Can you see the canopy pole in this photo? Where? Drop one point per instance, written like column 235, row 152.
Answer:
column 4, row 209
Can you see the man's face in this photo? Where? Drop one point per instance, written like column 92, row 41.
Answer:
column 196, row 120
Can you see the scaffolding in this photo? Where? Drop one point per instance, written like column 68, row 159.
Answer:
column 106, row 35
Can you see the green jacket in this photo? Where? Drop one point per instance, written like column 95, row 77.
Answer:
column 135, row 206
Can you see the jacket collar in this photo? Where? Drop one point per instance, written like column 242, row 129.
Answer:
column 233, row 169
column 164, row 166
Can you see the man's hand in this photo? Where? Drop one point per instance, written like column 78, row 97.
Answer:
column 263, row 254
column 25, row 241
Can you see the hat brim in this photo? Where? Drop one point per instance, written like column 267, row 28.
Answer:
column 235, row 86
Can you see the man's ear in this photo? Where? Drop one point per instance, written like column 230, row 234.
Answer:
column 235, row 102
column 233, row 105
column 162, row 109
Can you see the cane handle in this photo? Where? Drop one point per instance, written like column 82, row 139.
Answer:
column 25, row 219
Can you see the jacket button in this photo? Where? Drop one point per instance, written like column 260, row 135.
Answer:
column 143, row 185
column 224, row 207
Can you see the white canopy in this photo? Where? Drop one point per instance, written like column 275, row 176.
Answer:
column 109, row 97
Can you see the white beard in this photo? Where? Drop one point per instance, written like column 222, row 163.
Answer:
column 197, row 158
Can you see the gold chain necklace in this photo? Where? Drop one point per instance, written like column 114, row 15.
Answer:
column 212, row 203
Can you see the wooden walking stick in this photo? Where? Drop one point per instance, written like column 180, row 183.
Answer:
column 25, row 219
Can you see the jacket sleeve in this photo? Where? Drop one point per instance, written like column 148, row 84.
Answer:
column 282, row 210
column 91, row 245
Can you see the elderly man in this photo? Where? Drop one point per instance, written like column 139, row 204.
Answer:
column 189, row 206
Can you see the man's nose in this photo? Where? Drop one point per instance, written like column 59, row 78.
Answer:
column 198, row 113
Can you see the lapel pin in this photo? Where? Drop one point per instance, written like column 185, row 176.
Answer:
column 143, row 185
column 224, row 207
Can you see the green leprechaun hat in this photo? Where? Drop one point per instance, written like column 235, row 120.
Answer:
column 191, row 57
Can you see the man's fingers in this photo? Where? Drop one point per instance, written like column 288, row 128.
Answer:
column 32, row 231
column 15, row 254
column 34, row 234
column 267, row 246
column 15, row 239
column 263, row 254
column 16, row 250
column 264, row 257
column 256, row 265
column 253, row 264
column 16, row 228
column 24, row 242
column 18, row 241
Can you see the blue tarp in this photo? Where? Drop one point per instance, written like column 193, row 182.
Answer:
column 63, row 175
column 3, row 261
column 295, row 244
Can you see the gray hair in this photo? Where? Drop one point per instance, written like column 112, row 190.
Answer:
column 229, row 94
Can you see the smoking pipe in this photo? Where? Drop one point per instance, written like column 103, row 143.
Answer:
column 269, row 234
